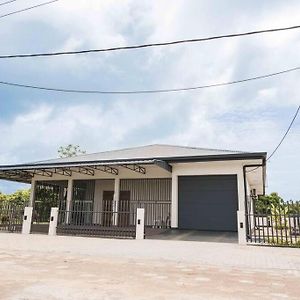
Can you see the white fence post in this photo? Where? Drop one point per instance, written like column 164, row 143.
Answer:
column 140, row 224
column 53, row 221
column 26, row 226
column 241, row 227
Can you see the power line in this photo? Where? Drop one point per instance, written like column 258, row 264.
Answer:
column 152, row 44
column 28, row 8
column 286, row 133
column 7, row 2
column 282, row 139
column 63, row 90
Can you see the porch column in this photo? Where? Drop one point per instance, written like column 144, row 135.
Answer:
column 174, row 203
column 32, row 193
column 116, row 200
column 69, row 199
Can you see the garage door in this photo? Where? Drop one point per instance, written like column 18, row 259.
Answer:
column 208, row 202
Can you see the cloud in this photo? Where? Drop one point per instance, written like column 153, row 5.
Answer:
column 251, row 116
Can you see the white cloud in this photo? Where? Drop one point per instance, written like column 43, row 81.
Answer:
column 250, row 116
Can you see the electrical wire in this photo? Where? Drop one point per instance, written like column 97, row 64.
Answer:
column 196, row 40
column 28, row 8
column 7, row 2
column 282, row 139
column 63, row 90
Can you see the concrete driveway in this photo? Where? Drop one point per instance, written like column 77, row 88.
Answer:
column 43, row 267
column 195, row 235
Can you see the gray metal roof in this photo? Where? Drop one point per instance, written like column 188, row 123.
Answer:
column 156, row 151
column 133, row 158
column 141, row 155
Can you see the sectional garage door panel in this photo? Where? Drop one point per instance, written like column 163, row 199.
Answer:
column 208, row 202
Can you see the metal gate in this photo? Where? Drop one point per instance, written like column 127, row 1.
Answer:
column 11, row 217
column 96, row 223
column 275, row 224
column 47, row 194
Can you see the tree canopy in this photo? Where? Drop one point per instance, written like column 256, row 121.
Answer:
column 19, row 197
column 70, row 151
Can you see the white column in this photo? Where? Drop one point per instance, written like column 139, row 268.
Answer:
column 174, row 202
column 116, row 200
column 26, row 226
column 140, row 224
column 53, row 221
column 241, row 216
column 32, row 192
column 69, row 199
column 241, row 227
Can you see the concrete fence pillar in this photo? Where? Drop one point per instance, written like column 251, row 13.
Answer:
column 26, row 226
column 140, row 224
column 53, row 221
column 241, row 218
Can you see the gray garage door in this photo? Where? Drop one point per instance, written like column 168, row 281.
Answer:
column 208, row 202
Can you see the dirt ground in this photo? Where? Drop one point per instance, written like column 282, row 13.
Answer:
column 44, row 274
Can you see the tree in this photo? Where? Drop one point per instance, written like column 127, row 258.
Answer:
column 70, row 151
column 264, row 203
column 3, row 197
column 20, row 197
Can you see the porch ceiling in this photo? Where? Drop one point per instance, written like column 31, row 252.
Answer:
column 24, row 173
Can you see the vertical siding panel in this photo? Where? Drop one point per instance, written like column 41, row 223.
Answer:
column 152, row 194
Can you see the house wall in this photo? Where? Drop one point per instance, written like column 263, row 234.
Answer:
column 212, row 168
column 179, row 169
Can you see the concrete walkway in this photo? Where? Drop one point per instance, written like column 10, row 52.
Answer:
column 204, row 253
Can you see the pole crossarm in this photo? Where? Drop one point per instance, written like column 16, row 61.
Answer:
column 135, row 167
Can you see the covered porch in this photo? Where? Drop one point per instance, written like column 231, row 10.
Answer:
column 98, row 200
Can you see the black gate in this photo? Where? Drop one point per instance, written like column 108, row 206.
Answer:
column 96, row 223
column 11, row 217
column 273, row 224
column 48, row 194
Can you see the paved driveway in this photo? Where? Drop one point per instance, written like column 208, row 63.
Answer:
column 195, row 235
column 43, row 267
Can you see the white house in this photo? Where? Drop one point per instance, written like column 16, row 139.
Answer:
column 179, row 187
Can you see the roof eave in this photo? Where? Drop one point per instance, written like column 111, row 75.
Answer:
column 178, row 159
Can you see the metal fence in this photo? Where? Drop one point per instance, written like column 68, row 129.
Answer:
column 275, row 224
column 97, row 223
column 11, row 217
column 157, row 213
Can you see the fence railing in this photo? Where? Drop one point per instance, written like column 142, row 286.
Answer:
column 11, row 217
column 97, row 223
column 157, row 213
column 276, row 225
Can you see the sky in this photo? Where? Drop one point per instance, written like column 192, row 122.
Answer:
column 251, row 116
